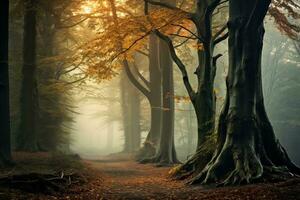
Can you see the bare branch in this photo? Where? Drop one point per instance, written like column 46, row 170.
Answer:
column 188, row 30
column 178, row 62
column 182, row 43
column 134, row 81
column 220, row 39
column 145, row 81
column 142, row 52
column 219, row 32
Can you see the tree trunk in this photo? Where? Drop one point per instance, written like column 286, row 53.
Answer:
column 134, row 102
column 125, row 112
column 5, row 148
column 27, row 139
column 50, row 136
column 166, row 154
column 204, row 101
column 150, row 145
column 145, row 150
column 247, row 148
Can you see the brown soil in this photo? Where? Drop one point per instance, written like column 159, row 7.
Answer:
column 118, row 178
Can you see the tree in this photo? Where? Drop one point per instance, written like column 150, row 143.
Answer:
column 204, row 98
column 166, row 153
column 130, row 104
column 27, row 139
column 247, row 148
column 5, row 149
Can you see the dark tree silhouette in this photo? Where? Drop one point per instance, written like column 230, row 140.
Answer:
column 27, row 139
column 5, row 149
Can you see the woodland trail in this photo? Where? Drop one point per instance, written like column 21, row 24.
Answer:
column 126, row 179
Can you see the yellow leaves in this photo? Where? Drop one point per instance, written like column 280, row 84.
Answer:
column 99, row 45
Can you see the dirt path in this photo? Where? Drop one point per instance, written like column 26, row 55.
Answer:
column 125, row 179
column 119, row 177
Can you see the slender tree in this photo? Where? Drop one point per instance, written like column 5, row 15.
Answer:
column 130, row 103
column 27, row 139
column 203, row 98
column 150, row 89
column 5, row 149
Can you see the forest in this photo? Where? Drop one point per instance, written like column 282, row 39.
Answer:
column 149, row 99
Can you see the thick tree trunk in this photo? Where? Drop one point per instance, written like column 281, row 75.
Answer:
column 156, row 91
column 205, row 99
column 27, row 139
column 150, row 145
column 247, row 148
column 5, row 148
column 166, row 154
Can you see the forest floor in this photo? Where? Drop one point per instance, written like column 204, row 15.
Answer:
column 110, row 178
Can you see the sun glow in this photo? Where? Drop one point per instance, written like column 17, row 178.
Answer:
column 87, row 9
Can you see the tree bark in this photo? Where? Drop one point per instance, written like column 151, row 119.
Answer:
column 166, row 154
column 27, row 139
column 5, row 148
column 155, row 99
column 125, row 112
column 135, row 118
column 204, row 98
column 247, row 148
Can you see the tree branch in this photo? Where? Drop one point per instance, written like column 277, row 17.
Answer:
column 219, row 32
column 178, row 62
column 191, row 32
column 145, row 81
column 134, row 81
column 220, row 39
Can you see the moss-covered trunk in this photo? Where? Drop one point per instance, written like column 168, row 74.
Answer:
column 247, row 147
column 204, row 101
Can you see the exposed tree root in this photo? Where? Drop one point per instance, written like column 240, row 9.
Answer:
column 41, row 183
column 243, row 159
column 195, row 163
